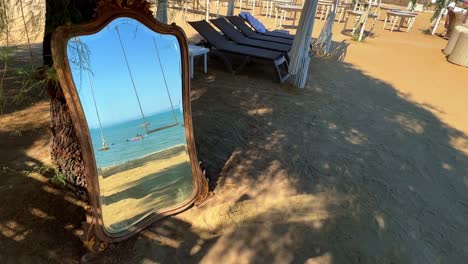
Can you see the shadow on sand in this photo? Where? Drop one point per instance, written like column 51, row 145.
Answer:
column 347, row 170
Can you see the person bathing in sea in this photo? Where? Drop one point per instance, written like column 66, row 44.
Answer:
column 137, row 137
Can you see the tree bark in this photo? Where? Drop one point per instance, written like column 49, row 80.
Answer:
column 66, row 152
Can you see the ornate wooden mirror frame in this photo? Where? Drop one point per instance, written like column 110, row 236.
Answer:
column 96, row 236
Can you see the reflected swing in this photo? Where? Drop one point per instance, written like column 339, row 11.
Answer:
column 104, row 146
column 146, row 124
column 168, row 94
column 80, row 50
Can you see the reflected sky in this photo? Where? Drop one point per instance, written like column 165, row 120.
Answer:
column 110, row 79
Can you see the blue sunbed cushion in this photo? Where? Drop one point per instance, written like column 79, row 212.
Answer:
column 259, row 27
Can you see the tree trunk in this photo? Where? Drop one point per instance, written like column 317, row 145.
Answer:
column 65, row 149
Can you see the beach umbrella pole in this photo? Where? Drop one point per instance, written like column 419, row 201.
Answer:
column 300, row 51
column 230, row 10
column 207, row 12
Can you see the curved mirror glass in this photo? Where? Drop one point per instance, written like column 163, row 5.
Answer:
column 129, row 82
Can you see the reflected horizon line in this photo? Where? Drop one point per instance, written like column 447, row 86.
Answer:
column 157, row 112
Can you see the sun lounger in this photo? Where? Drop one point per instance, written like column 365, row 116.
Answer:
column 233, row 34
column 221, row 47
column 242, row 25
column 260, row 28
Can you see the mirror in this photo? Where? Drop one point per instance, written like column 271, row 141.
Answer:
column 128, row 80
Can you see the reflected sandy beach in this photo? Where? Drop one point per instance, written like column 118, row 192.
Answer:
column 136, row 163
column 158, row 181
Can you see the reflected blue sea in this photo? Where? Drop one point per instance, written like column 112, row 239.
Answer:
column 123, row 146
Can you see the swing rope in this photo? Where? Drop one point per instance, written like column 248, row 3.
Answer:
column 165, row 82
column 131, row 77
column 104, row 143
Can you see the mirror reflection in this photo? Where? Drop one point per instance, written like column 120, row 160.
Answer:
column 129, row 83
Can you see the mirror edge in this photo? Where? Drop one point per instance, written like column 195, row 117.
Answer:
column 105, row 12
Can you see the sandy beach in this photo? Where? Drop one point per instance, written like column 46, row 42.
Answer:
column 367, row 164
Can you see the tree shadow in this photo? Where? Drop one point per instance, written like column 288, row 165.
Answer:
column 347, row 170
column 244, row 127
column 37, row 219
column 391, row 177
